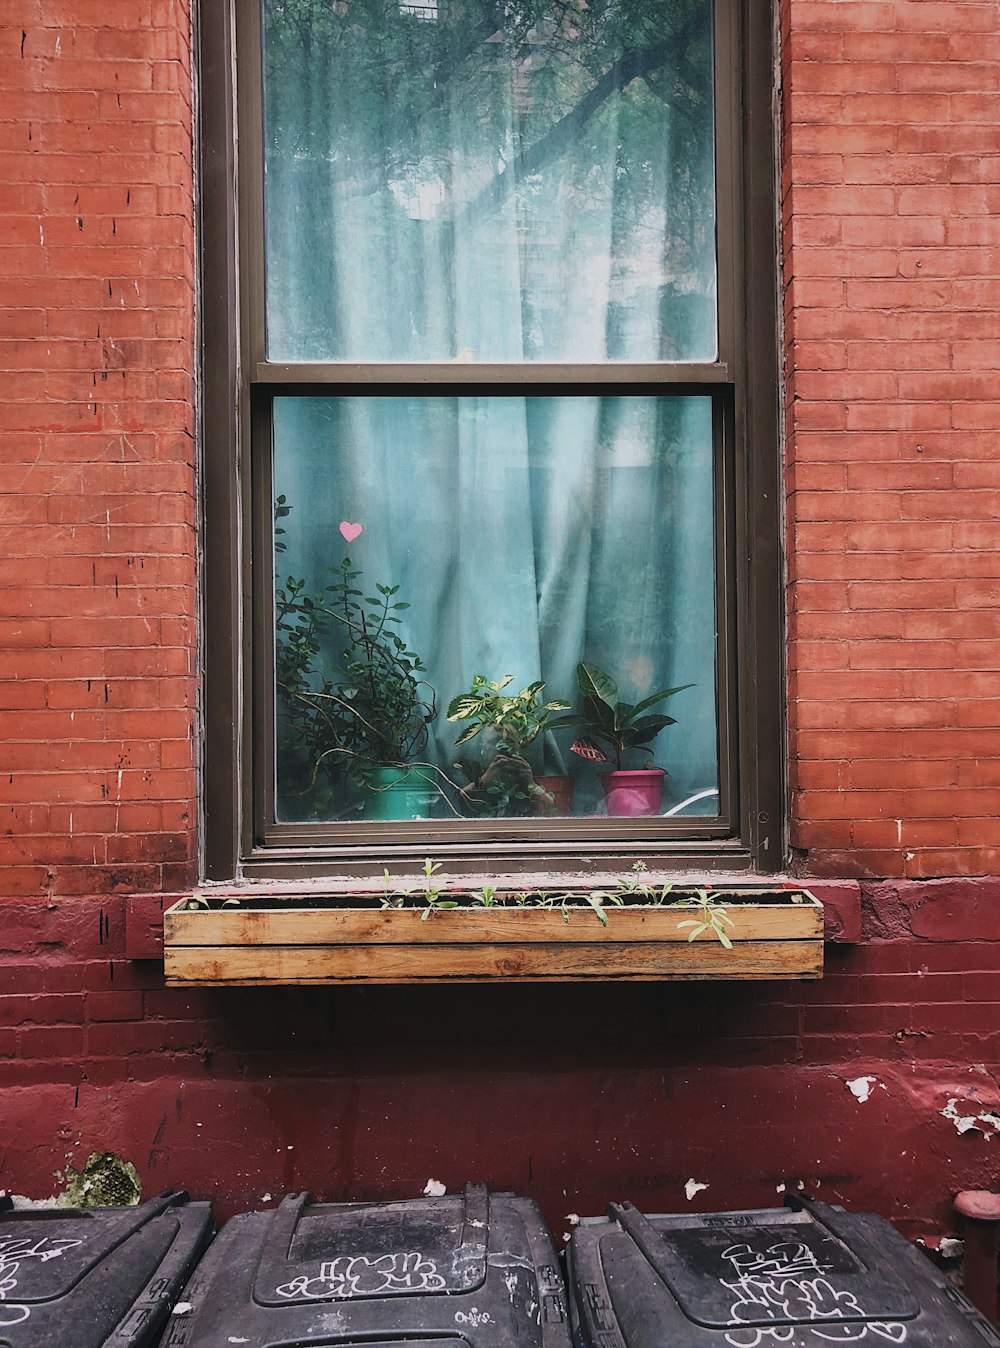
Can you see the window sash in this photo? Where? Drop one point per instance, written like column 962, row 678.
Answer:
column 249, row 58
column 588, row 832
column 238, row 383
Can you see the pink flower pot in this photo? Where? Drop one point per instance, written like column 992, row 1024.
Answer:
column 630, row 793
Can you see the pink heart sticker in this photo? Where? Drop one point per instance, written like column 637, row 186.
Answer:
column 350, row 531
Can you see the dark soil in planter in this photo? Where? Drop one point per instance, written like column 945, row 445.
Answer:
column 529, row 900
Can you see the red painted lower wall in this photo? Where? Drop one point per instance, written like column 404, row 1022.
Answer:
column 876, row 1088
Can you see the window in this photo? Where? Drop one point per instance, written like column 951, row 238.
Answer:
column 490, row 434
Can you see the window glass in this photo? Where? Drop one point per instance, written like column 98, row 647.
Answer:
column 529, row 180
column 422, row 541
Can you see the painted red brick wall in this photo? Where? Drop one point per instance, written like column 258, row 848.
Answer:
column 573, row 1094
column 890, row 199
column 97, row 542
column 891, row 234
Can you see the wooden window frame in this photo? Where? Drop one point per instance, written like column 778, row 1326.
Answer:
column 237, row 383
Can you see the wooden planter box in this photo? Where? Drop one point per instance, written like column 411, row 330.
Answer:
column 303, row 939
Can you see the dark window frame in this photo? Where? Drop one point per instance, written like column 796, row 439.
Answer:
column 237, row 384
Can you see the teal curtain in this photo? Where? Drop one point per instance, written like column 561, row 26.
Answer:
column 526, row 534
column 521, row 181
column 531, row 180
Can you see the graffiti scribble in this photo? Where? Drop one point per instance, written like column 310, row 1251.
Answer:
column 360, row 1277
column 13, row 1252
column 786, row 1284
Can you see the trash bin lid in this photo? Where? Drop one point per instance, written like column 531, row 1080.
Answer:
column 328, row 1252
column 98, row 1277
column 805, row 1275
column 476, row 1269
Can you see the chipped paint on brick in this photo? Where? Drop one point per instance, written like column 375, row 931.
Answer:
column 985, row 1122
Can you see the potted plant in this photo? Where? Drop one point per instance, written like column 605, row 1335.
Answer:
column 614, row 731
column 371, row 718
column 507, row 784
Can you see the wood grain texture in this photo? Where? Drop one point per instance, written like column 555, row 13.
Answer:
column 298, row 942
column 537, row 962
column 312, row 926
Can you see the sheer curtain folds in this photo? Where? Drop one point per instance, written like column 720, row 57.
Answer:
column 519, row 181
column 526, row 535
column 503, row 181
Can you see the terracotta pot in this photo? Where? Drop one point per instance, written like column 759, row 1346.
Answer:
column 561, row 791
column 632, row 793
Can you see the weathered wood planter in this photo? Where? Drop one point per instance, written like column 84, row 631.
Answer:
column 295, row 939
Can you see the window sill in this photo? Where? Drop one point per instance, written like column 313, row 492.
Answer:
column 283, row 935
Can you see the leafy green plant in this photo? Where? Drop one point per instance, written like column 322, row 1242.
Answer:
column 309, row 725
column 370, row 710
column 385, row 706
column 612, row 728
column 506, row 783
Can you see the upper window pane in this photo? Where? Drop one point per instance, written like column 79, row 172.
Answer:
column 466, row 180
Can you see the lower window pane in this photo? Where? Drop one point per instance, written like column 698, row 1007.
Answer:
column 437, row 560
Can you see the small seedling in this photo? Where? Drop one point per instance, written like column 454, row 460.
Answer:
column 432, row 891
column 434, row 904
column 711, row 917
column 630, row 884
column 393, row 894
column 633, row 884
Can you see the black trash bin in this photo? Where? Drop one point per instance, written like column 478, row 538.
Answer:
column 477, row 1269
column 96, row 1278
column 805, row 1276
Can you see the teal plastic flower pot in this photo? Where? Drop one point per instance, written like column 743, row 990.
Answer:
column 399, row 793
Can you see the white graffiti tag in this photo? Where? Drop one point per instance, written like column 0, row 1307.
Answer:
column 363, row 1277
column 13, row 1253
column 786, row 1283
column 474, row 1317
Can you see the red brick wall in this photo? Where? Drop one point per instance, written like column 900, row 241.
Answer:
column 891, row 232
column 890, row 204
column 97, row 545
